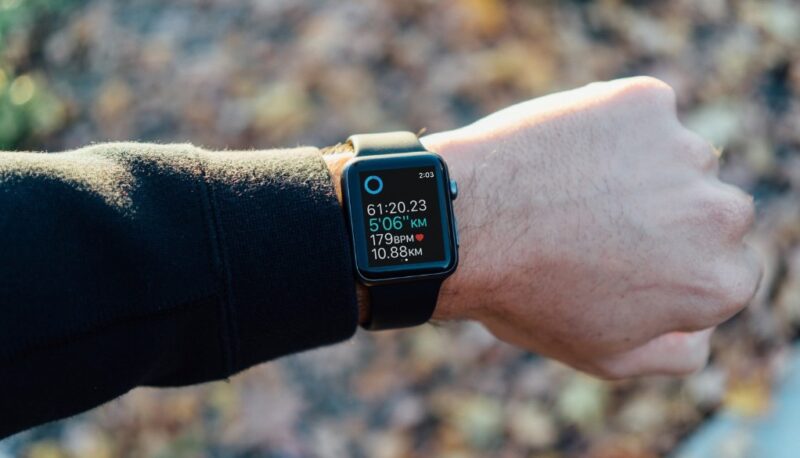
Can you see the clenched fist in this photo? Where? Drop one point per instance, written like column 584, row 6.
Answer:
column 594, row 230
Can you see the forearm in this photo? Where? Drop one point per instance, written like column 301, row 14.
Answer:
column 129, row 264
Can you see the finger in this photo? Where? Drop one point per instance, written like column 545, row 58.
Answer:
column 698, row 151
column 674, row 353
column 721, row 293
column 730, row 210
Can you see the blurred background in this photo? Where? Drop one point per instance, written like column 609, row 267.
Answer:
column 268, row 73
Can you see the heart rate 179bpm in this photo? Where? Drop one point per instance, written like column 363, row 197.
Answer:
column 387, row 238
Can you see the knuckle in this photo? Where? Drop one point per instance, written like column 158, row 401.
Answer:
column 698, row 151
column 730, row 212
column 651, row 88
column 733, row 287
column 745, row 286
column 711, row 312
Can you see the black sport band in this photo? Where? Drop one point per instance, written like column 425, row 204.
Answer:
column 396, row 305
column 401, row 305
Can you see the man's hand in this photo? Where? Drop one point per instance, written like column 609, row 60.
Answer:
column 594, row 230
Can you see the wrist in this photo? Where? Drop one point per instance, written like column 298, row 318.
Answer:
column 336, row 159
column 460, row 296
column 336, row 162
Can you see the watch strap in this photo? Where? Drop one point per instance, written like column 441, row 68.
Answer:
column 401, row 305
column 386, row 143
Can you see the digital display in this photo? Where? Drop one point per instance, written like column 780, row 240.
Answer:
column 402, row 218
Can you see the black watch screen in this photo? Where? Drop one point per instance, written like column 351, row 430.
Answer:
column 402, row 219
column 400, row 215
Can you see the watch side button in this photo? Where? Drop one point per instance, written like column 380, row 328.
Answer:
column 458, row 239
column 453, row 189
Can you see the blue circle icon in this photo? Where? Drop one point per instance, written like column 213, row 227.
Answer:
column 373, row 184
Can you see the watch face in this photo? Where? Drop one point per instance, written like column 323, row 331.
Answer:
column 400, row 215
column 402, row 218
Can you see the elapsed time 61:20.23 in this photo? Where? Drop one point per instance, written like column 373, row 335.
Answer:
column 397, row 208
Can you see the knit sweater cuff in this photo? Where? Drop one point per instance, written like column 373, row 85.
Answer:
column 274, row 214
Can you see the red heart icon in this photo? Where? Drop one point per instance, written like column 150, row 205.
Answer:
column 419, row 237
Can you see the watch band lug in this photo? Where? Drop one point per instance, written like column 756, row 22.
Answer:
column 386, row 143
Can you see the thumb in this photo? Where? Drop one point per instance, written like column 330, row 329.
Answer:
column 673, row 353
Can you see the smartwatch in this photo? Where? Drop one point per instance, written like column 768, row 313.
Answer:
column 398, row 200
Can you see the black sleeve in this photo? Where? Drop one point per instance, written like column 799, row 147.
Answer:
column 129, row 264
